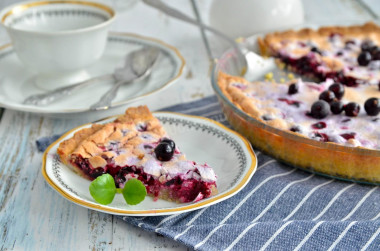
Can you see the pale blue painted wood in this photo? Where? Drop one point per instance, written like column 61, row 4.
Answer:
column 35, row 217
column 335, row 12
column 373, row 6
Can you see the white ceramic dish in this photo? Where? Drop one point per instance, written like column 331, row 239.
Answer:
column 49, row 36
column 227, row 152
column 17, row 82
column 245, row 18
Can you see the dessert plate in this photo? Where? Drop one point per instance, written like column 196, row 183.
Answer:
column 17, row 82
column 203, row 140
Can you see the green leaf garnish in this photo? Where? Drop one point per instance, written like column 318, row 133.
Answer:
column 103, row 189
column 134, row 192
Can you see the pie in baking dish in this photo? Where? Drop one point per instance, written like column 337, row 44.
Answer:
column 331, row 127
column 135, row 145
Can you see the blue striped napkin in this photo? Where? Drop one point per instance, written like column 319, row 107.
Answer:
column 281, row 208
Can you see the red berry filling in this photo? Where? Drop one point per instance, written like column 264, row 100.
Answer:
column 348, row 136
column 308, row 65
column 184, row 190
column 320, row 137
column 319, row 125
column 290, row 102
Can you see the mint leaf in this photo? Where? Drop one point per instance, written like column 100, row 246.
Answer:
column 134, row 192
column 103, row 189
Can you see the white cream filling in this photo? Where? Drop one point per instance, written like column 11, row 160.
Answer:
column 365, row 127
column 175, row 167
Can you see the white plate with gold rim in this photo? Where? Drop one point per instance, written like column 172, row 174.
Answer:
column 17, row 82
column 203, row 140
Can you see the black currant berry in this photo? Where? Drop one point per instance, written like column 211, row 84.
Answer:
column 320, row 109
column 375, row 53
column 337, row 89
column 364, row 58
column 336, row 107
column 169, row 141
column 352, row 109
column 164, row 151
column 293, row 89
column 295, row 128
column 367, row 45
column 327, row 96
column 316, row 50
column 372, row 106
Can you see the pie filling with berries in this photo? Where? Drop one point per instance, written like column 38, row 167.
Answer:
column 348, row 55
column 135, row 145
column 337, row 120
column 327, row 111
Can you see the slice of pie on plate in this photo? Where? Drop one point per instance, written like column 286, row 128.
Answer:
column 348, row 55
column 135, row 145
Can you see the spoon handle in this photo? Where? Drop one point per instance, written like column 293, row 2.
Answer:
column 158, row 4
column 105, row 101
column 49, row 97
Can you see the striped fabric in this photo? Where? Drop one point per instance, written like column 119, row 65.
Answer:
column 281, row 208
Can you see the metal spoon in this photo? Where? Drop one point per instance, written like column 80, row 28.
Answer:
column 241, row 52
column 51, row 96
column 138, row 66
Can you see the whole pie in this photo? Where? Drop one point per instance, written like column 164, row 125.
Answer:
column 338, row 109
column 135, row 145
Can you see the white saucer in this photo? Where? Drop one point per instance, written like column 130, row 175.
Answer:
column 17, row 82
column 225, row 149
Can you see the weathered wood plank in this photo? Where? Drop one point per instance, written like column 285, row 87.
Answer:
column 338, row 11
column 34, row 217
column 373, row 6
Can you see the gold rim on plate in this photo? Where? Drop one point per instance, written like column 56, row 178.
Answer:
column 169, row 47
column 211, row 200
column 24, row 6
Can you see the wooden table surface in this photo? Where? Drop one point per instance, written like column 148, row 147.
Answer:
column 35, row 217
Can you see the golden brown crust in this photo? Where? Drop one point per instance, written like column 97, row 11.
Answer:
column 141, row 114
column 165, row 194
column 87, row 142
column 250, row 105
column 370, row 30
column 273, row 43
column 68, row 146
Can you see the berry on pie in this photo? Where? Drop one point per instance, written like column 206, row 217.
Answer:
column 136, row 145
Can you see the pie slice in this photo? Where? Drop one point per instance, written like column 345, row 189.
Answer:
column 136, row 145
column 348, row 55
column 327, row 111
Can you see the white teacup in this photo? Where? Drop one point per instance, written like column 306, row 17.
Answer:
column 58, row 38
column 242, row 18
